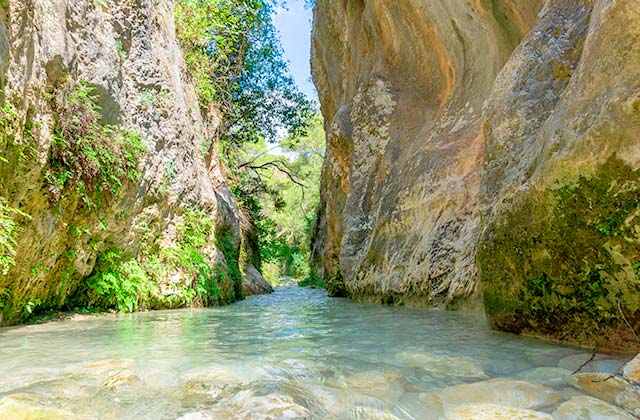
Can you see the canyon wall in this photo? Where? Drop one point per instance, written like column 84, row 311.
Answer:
column 483, row 153
column 173, row 216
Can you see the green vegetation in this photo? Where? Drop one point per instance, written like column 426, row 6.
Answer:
column 279, row 193
column 565, row 264
column 233, row 52
column 119, row 284
column 8, row 227
column 234, row 55
column 95, row 159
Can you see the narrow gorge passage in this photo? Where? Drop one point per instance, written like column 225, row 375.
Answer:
column 320, row 209
column 293, row 354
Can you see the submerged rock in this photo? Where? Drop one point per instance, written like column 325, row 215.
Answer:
column 246, row 405
column 441, row 366
column 375, row 383
column 109, row 364
column 493, row 412
column 27, row 407
column 369, row 413
column 503, row 392
column 584, row 363
column 547, row 376
column 120, row 378
column 589, row 408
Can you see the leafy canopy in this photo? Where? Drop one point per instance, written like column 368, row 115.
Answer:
column 234, row 54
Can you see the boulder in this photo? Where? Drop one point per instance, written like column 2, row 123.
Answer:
column 589, row 408
column 253, row 283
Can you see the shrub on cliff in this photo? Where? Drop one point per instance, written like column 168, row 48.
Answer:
column 92, row 157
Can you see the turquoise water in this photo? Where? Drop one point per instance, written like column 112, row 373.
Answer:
column 295, row 353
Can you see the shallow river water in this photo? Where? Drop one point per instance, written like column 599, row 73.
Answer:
column 292, row 354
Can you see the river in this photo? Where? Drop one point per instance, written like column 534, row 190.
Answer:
column 294, row 353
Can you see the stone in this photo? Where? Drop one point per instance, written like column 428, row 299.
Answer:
column 109, row 364
column 253, row 283
column 554, row 377
column 120, row 378
column 268, row 407
column 613, row 389
column 369, row 413
column 589, row 408
column 631, row 370
column 27, row 407
column 382, row 384
column 504, row 392
column 441, row 366
column 194, row 416
column 600, row 363
column 599, row 385
column 493, row 412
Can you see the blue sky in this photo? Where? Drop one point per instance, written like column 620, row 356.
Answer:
column 294, row 25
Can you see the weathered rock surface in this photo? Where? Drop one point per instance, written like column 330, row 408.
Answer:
column 27, row 407
column 612, row 389
column 502, row 392
column 589, row 408
column 484, row 148
column 127, row 52
column 401, row 86
column 253, row 283
column 494, row 412
column 560, row 182
column 631, row 370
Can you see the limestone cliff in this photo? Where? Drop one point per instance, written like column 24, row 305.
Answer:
column 124, row 55
column 484, row 148
column 402, row 85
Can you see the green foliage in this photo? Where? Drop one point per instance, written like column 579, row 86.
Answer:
column 194, row 233
column 313, row 280
column 234, row 55
column 119, row 284
column 280, row 195
column 8, row 227
column 224, row 242
column 564, row 263
column 94, row 158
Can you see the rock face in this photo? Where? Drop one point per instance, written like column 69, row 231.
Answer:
column 402, row 85
column 128, row 55
column 560, row 183
column 484, row 151
column 253, row 283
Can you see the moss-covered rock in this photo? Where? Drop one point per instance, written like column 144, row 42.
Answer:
column 565, row 262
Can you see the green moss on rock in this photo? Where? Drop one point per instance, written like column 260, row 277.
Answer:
column 560, row 262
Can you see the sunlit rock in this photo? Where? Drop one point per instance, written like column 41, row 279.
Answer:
column 493, row 412
column 613, row 389
column 600, row 385
column 584, row 363
column 369, row 413
column 632, row 370
column 120, row 378
column 27, row 407
column 194, row 416
column 376, row 383
column 109, row 364
column 246, row 405
column 505, row 392
column 441, row 366
column 253, row 283
column 589, row 408
column 547, row 376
